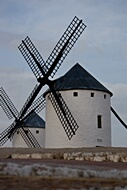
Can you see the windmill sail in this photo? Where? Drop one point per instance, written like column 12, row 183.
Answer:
column 42, row 70
column 66, row 118
column 7, row 105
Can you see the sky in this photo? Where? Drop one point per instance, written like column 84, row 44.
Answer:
column 101, row 49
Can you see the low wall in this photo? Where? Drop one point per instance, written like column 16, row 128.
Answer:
column 86, row 154
column 99, row 156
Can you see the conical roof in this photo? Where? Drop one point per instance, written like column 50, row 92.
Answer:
column 34, row 121
column 78, row 78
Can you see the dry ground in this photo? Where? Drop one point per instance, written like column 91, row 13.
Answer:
column 37, row 183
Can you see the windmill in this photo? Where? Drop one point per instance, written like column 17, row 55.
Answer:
column 43, row 70
column 89, row 101
column 11, row 111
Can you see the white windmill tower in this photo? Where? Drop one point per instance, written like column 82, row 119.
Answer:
column 89, row 102
column 36, row 126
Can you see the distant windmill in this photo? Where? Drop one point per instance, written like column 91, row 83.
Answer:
column 20, row 118
column 43, row 70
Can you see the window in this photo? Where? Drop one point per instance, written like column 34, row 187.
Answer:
column 99, row 121
column 92, row 94
column 75, row 94
column 37, row 131
column 99, row 140
column 104, row 96
column 17, row 132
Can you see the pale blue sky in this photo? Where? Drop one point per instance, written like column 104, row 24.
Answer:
column 102, row 48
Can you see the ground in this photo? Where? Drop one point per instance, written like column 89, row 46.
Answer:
column 106, row 180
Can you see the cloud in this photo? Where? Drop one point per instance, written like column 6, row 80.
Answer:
column 101, row 49
column 119, row 98
column 118, row 102
column 9, row 40
column 17, row 84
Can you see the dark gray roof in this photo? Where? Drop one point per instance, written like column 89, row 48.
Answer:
column 78, row 78
column 34, row 121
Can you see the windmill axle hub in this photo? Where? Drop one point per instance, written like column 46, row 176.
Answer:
column 43, row 80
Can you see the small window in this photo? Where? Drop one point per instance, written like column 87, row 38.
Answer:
column 99, row 140
column 99, row 121
column 17, row 132
column 37, row 131
column 104, row 96
column 75, row 94
column 92, row 94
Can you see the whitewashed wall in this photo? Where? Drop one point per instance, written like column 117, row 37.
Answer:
column 85, row 110
column 18, row 141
